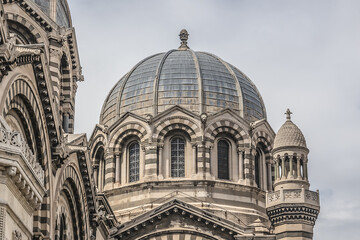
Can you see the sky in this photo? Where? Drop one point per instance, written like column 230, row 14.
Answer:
column 303, row 55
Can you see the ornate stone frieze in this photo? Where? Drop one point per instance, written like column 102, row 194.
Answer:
column 292, row 196
column 13, row 141
column 12, row 55
column 293, row 213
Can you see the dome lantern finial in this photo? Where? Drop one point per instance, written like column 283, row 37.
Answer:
column 183, row 37
column 288, row 114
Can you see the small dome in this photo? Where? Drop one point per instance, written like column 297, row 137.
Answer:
column 198, row 81
column 289, row 135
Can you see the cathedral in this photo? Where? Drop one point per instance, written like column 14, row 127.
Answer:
column 182, row 151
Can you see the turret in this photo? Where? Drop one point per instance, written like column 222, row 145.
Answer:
column 292, row 207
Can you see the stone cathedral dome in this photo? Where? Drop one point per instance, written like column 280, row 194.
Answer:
column 198, row 81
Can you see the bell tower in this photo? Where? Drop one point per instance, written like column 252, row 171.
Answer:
column 292, row 207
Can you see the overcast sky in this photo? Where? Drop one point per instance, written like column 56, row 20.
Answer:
column 304, row 55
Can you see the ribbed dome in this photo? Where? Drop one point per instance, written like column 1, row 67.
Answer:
column 289, row 135
column 198, row 81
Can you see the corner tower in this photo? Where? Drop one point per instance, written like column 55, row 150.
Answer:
column 292, row 207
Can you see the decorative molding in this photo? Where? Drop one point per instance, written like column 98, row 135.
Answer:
column 17, row 235
column 25, row 187
column 12, row 55
column 2, row 222
column 14, row 141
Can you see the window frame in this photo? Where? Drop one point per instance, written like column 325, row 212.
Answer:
column 171, row 156
column 137, row 175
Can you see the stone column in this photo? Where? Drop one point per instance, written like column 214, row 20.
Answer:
column 117, row 167
column 269, row 179
column 291, row 167
column 203, row 163
column 264, row 174
column 194, row 162
column 282, row 167
column 160, row 162
column 298, row 169
column 305, row 171
column 277, row 175
column 248, row 167
column 150, row 165
column 96, row 175
column 109, row 170
column 100, row 174
column 240, row 153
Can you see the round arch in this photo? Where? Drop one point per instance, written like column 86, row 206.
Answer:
column 21, row 97
column 181, row 123
column 123, row 131
column 71, row 185
column 26, row 27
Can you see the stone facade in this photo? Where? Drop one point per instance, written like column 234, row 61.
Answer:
column 183, row 149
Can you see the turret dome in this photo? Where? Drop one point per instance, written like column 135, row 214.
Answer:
column 289, row 135
column 197, row 81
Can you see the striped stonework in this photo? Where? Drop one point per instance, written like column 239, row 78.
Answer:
column 124, row 131
column 203, row 159
column 54, row 66
column 249, row 166
column 150, row 161
column 265, row 138
column 177, row 123
column 25, row 27
column 72, row 186
column 226, row 126
column 32, row 14
column 99, row 140
column 23, row 100
column 264, row 141
column 109, row 170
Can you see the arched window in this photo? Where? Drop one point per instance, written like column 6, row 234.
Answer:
column 223, row 160
column 99, row 169
column 257, row 167
column 134, row 162
column 178, row 157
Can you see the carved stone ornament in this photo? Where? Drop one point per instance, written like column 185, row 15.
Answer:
column 12, row 55
column 55, row 53
column 183, row 37
column 17, row 235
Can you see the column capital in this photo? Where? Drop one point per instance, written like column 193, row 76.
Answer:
column 240, row 150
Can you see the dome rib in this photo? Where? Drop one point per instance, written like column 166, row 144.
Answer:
column 238, row 88
column 255, row 88
column 200, row 82
column 156, row 81
column 125, row 81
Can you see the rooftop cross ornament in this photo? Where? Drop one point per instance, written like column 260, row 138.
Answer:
column 288, row 114
column 183, row 37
